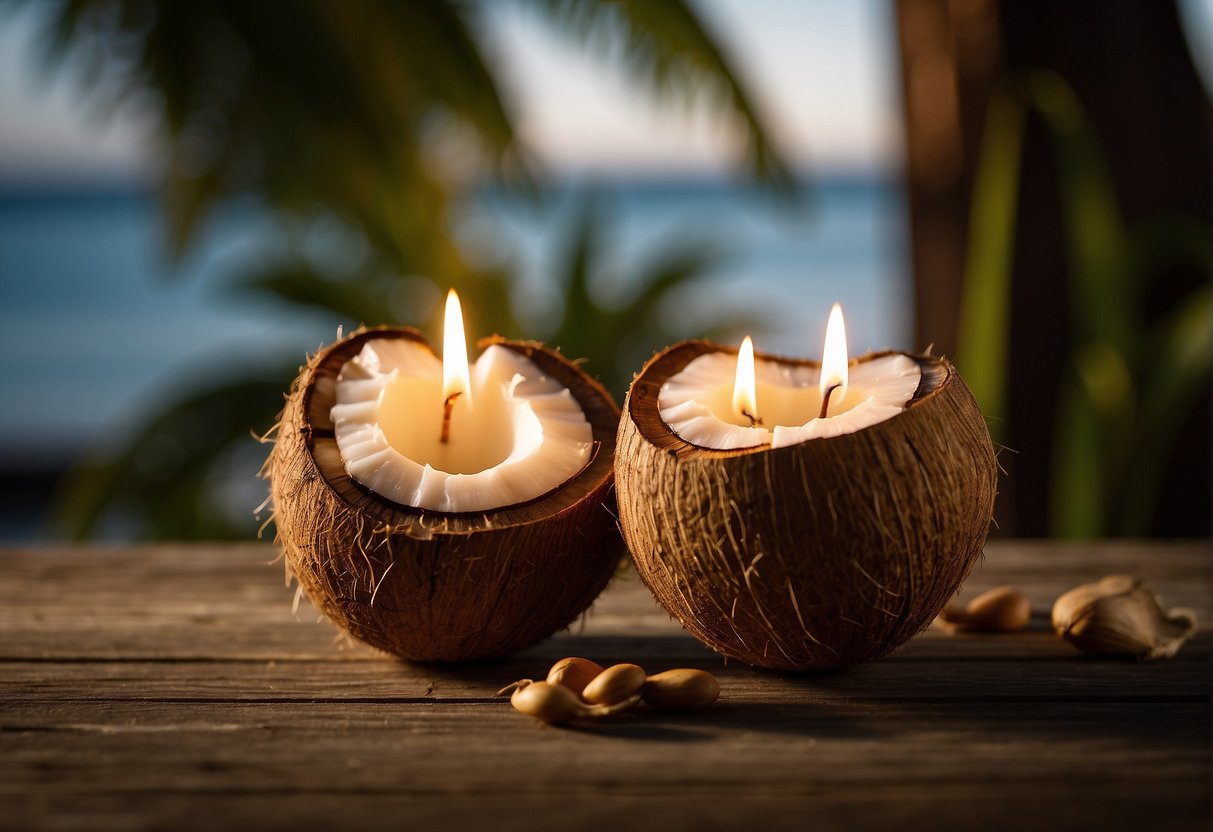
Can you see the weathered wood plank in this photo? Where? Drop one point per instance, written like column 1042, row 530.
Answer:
column 1060, row 676
column 789, row 755
column 766, row 743
column 231, row 602
column 63, row 568
column 277, row 636
column 171, row 687
column 992, row 807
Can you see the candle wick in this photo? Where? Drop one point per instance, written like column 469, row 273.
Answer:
column 447, row 407
column 754, row 420
column 825, row 400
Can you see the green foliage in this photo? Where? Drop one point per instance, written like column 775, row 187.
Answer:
column 1128, row 389
column 355, row 108
column 162, row 482
column 1180, row 348
column 666, row 46
column 382, row 117
column 312, row 106
column 984, row 322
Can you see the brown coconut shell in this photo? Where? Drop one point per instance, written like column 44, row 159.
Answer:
column 434, row 586
column 812, row 556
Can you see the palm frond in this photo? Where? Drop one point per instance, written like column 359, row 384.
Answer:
column 159, row 479
column 612, row 337
column 344, row 111
column 985, row 316
column 1182, row 356
column 300, row 284
column 667, row 45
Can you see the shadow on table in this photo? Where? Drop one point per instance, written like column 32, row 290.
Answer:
column 825, row 722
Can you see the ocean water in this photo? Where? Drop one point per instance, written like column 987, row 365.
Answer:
column 98, row 326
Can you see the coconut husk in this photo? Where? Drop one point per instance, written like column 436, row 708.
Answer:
column 432, row 586
column 812, row 556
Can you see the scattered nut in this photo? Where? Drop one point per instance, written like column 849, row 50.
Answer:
column 555, row 703
column 1121, row 616
column 550, row 703
column 1000, row 610
column 574, row 673
column 615, row 684
column 682, row 688
column 1069, row 604
column 610, row 691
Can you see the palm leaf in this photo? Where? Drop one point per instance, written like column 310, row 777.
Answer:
column 1179, row 369
column 986, row 302
column 1111, row 443
column 159, row 479
column 1097, row 419
column 667, row 46
column 302, row 285
column 612, row 338
column 339, row 110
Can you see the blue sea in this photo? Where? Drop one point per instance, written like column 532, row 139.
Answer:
column 98, row 325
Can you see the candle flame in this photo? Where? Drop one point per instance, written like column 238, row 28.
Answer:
column 456, row 378
column 745, row 396
column 834, row 356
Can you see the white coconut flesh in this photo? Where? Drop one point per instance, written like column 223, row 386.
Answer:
column 697, row 402
column 515, row 436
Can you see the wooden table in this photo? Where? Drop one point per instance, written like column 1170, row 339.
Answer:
column 172, row 687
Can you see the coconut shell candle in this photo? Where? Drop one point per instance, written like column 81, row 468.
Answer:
column 441, row 511
column 803, row 516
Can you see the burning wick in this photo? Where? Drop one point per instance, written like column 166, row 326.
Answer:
column 456, row 377
column 447, row 406
column 825, row 400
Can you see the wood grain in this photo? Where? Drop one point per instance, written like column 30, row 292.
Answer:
column 172, row 687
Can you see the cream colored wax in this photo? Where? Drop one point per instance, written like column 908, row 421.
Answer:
column 726, row 401
column 515, row 434
column 697, row 403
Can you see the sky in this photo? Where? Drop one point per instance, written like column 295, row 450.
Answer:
column 823, row 73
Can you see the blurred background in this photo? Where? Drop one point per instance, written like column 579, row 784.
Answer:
column 194, row 196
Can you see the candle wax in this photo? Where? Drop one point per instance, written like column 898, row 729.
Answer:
column 697, row 402
column 516, row 436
